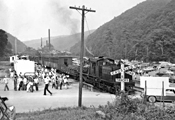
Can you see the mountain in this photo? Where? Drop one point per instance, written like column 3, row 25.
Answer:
column 20, row 45
column 59, row 42
column 127, row 35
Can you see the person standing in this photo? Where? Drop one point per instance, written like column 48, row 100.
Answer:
column 20, row 81
column 15, row 81
column 46, row 88
column 36, row 82
column 65, row 82
column 6, row 83
column 25, row 83
column 53, row 78
column 61, row 81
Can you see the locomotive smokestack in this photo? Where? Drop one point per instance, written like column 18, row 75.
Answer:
column 49, row 37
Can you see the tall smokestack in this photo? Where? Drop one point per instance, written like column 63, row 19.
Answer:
column 41, row 43
column 49, row 37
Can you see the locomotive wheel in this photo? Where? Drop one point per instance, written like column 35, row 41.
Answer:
column 152, row 99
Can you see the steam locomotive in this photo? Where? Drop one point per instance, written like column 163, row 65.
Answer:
column 96, row 71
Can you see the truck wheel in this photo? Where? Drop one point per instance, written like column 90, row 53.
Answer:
column 152, row 99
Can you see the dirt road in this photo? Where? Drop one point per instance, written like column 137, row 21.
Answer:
column 24, row 101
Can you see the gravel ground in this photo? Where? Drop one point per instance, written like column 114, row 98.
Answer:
column 25, row 102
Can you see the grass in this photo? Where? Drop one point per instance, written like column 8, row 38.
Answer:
column 123, row 108
column 60, row 114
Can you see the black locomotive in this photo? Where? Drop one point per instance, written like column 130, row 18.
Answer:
column 96, row 71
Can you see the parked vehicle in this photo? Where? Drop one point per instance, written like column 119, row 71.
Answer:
column 158, row 88
column 14, row 58
column 23, row 66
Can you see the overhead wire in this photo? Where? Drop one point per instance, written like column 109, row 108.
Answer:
column 88, row 35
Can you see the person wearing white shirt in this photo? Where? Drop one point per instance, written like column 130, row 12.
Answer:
column 29, row 85
column 46, row 70
column 43, row 75
column 65, row 82
column 25, row 83
column 53, row 81
column 36, row 82
column 6, row 83
column 46, row 88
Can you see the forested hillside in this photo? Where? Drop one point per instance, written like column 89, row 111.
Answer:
column 64, row 42
column 7, row 44
column 145, row 32
column 19, row 45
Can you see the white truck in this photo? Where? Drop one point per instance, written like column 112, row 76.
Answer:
column 13, row 58
column 24, row 66
column 16, row 57
column 155, row 90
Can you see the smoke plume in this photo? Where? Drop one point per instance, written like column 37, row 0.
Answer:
column 63, row 15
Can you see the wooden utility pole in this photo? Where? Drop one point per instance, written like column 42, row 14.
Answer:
column 83, row 9
column 49, row 45
column 49, row 38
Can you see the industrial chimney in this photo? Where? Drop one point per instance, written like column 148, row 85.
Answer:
column 49, row 37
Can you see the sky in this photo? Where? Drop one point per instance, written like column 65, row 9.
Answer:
column 31, row 19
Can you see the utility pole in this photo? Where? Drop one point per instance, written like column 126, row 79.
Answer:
column 49, row 38
column 49, row 45
column 83, row 9
column 41, row 50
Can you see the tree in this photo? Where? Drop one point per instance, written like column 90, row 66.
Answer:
column 108, row 40
column 3, row 42
column 8, row 50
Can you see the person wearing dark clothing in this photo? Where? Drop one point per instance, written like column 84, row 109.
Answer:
column 15, row 81
column 20, row 85
column 20, row 79
column 46, row 88
column 56, row 83
column 61, row 82
column 32, row 84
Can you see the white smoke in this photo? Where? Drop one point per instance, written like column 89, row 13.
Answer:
column 63, row 15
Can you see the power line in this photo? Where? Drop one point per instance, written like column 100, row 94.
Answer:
column 88, row 35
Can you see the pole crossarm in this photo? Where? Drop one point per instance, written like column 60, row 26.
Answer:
column 78, row 8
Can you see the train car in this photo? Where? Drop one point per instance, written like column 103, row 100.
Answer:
column 62, row 63
column 99, row 76
column 96, row 71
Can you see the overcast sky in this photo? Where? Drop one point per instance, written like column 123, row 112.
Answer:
column 31, row 19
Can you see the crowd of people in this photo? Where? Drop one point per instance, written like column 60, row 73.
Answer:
column 31, row 82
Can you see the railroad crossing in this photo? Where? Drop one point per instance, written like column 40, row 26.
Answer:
column 122, row 71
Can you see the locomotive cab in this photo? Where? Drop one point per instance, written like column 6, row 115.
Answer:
column 99, row 75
